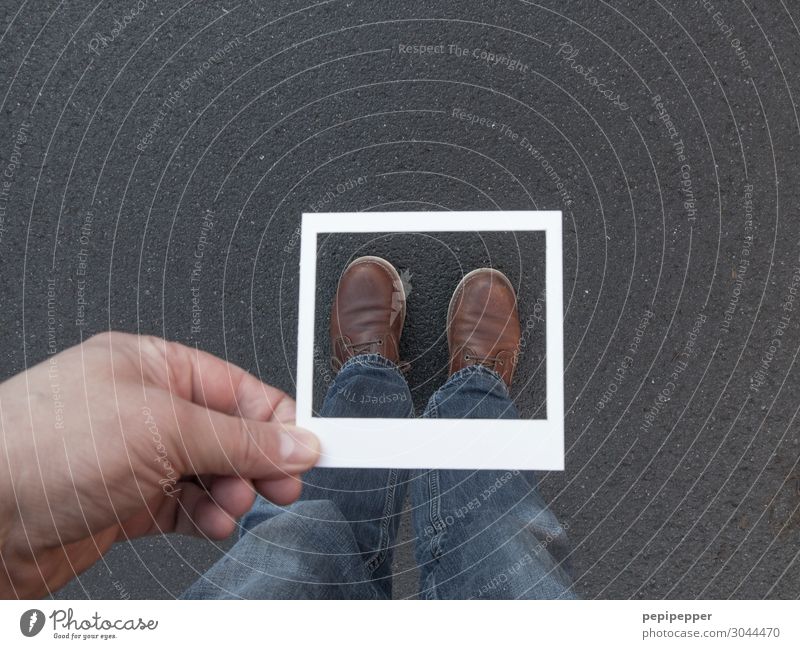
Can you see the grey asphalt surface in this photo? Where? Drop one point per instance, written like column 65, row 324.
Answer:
column 674, row 160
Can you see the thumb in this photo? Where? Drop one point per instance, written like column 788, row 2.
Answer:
column 207, row 441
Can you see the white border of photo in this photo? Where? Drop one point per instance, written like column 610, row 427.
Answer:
column 436, row 443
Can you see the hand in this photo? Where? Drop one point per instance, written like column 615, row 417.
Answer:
column 128, row 435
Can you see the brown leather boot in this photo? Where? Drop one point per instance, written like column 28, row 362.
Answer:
column 368, row 311
column 483, row 323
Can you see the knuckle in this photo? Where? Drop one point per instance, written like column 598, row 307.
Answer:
column 154, row 345
column 104, row 338
column 260, row 445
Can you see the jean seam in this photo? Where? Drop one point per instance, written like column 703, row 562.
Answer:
column 436, row 514
column 376, row 561
column 434, row 510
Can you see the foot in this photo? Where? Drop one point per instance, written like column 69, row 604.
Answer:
column 368, row 311
column 483, row 323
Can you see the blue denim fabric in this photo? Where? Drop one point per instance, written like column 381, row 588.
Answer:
column 479, row 534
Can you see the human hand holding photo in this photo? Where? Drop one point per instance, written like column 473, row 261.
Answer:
column 103, row 442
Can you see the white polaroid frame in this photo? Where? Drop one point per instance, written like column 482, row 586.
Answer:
column 436, row 443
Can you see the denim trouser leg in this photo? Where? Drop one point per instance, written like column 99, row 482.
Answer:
column 484, row 534
column 337, row 540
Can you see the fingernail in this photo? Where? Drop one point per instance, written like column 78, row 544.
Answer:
column 299, row 446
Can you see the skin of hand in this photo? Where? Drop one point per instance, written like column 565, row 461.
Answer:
column 127, row 435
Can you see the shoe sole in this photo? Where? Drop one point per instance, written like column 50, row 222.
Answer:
column 397, row 282
column 460, row 287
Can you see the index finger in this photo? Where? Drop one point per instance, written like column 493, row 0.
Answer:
column 209, row 381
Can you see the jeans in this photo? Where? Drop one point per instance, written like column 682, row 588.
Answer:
column 479, row 534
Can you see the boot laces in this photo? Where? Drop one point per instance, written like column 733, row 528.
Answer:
column 358, row 348
column 487, row 361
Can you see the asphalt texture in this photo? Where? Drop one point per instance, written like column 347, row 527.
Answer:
column 154, row 176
